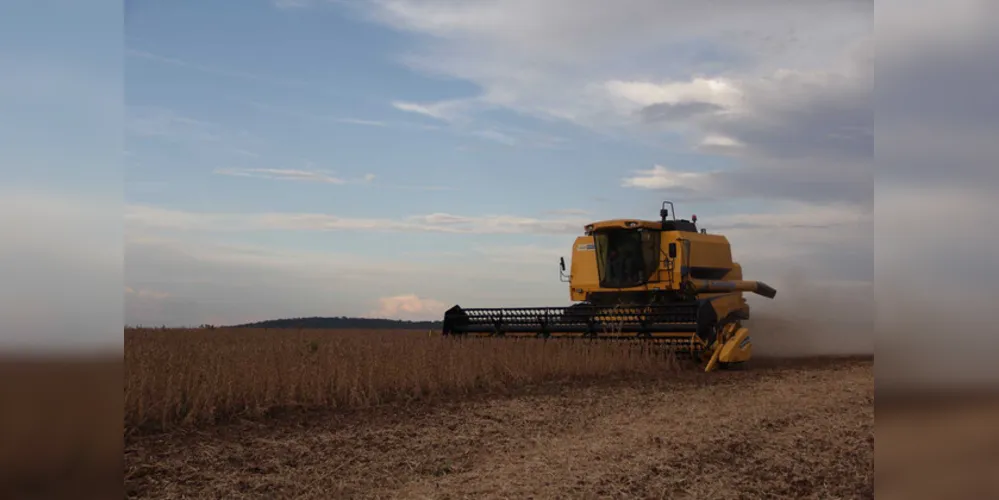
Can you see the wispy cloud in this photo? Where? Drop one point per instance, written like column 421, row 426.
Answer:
column 307, row 115
column 154, row 217
column 568, row 211
column 165, row 123
column 457, row 115
column 357, row 121
column 319, row 176
column 448, row 111
column 717, row 143
column 496, row 136
column 695, row 96
column 215, row 70
column 282, row 174
column 660, row 177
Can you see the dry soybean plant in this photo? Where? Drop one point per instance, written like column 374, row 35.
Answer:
column 197, row 376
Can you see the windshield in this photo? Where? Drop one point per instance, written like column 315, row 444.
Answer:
column 626, row 257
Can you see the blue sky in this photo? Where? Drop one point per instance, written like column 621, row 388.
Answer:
column 392, row 158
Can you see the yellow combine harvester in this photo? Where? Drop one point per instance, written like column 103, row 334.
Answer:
column 661, row 281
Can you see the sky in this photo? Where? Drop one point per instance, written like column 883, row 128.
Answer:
column 179, row 163
column 393, row 158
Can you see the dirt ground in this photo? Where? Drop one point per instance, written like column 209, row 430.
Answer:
column 783, row 429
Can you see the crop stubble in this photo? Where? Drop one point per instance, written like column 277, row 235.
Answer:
column 575, row 420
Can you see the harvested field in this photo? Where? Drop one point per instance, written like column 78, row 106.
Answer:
column 577, row 422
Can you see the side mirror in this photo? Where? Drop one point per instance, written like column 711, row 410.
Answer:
column 561, row 263
column 672, row 250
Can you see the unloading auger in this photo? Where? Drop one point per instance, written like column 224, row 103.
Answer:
column 662, row 281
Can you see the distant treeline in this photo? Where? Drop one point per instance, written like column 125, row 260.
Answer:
column 344, row 322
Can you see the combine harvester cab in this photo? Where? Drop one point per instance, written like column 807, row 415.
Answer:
column 658, row 281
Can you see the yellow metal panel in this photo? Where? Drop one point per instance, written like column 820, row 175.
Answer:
column 583, row 269
column 728, row 303
column 708, row 250
column 737, row 349
column 735, row 273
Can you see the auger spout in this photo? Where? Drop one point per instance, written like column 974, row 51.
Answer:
column 714, row 286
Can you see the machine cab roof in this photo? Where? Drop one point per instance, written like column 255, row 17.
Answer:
column 664, row 224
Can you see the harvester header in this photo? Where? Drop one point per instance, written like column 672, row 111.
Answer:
column 664, row 281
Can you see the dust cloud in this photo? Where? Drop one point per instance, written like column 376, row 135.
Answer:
column 812, row 318
column 932, row 341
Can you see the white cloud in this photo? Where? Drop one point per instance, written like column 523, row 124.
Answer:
column 152, row 217
column 573, row 32
column 444, row 110
column 716, row 141
column 326, row 118
column 581, row 60
column 358, row 121
column 290, row 174
column 660, row 177
column 784, row 89
column 281, row 174
column 318, row 176
column 411, row 307
column 639, row 94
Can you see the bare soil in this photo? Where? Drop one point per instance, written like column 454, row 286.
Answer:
column 781, row 429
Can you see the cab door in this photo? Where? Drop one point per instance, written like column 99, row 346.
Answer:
column 583, row 276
